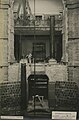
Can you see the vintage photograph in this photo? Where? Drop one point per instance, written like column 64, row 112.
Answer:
column 39, row 59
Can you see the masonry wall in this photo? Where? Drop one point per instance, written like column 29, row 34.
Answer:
column 73, row 40
column 4, row 40
column 54, row 72
column 6, row 37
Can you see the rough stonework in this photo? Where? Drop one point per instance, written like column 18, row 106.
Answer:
column 11, row 34
column 57, row 73
column 54, row 72
column 73, row 40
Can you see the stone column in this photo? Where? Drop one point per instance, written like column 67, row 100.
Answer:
column 52, row 35
column 65, row 34
column 11, row 57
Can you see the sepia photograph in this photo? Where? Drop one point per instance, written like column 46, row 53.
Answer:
column 39, row 59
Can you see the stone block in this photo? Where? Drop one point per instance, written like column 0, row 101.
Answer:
column 3, row 52
column 57, row 73
column 10, row 36
column 73, row 74
column 3, row 74
column 4, row 23
column 73, row 52
column 13, row 72
column 73, row 24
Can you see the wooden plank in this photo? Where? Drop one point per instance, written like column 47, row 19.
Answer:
column 51, row 94
column 23, row 88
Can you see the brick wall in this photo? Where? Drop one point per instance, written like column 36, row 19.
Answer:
column 10, row 102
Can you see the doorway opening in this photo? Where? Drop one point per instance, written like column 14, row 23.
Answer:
column 38, row 92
